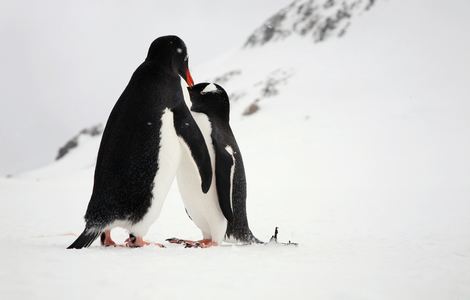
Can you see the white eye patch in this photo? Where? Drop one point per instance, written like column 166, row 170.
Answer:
column 179, row 50
column 210, row 88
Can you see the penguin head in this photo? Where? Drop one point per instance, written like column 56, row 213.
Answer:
column 210, row 99
column 170, row 52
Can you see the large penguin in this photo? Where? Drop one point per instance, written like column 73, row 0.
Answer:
column 141, row 147
column 220, row 213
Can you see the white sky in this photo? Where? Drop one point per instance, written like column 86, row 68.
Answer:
column 65, row 63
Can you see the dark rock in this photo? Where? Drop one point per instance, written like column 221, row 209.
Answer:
column 73, row 143
column 315, row 18
column 251, row 109
column 224, row 78
column 270, row 87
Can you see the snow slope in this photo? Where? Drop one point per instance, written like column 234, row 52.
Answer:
column 357, row 148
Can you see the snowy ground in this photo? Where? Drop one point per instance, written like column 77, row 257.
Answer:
column 362, row 158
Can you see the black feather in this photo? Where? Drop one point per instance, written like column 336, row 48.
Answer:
column 85, row 239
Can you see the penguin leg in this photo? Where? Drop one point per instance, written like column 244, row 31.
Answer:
column 106, row 239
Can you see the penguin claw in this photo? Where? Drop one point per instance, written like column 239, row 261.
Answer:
column 186, row 243
column 175, row 240
column 192, row 244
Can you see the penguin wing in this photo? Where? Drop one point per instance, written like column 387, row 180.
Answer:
column 224, row 171
column 187, row 129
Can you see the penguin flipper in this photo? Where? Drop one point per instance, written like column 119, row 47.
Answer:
column 187, row 129
column 85, row 239
column 224, row 171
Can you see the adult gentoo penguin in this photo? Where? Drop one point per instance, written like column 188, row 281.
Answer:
column 140, row 149
column 222, row 211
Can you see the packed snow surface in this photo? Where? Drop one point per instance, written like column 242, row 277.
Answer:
column 359, row 152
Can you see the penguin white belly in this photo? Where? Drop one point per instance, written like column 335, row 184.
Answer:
column 169, row 157
column 203, row 209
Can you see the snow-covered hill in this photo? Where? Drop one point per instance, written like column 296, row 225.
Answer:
column 356, row 147
column 316, row 19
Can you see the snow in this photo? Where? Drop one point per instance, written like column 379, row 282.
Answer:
column 361, row 157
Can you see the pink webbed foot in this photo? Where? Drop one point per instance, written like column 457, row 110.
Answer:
column 186, row 243
column 135, row 241
column 106, row 239
column 207, row 243
column 193, row 244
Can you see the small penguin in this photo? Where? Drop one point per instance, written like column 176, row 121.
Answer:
column 141, row 145
column 220, row 213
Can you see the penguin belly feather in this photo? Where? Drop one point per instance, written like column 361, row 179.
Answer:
column 203, row 209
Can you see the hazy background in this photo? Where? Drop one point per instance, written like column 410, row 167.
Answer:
column 358, row 149
column 65, row 63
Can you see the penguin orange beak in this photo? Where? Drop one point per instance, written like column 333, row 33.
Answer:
column 189, row 78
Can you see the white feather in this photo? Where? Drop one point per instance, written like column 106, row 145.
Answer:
column 232, row 171
column 210, row 88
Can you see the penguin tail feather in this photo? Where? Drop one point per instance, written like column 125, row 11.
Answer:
column 253, row 239
column 88, row 236
column 244, row 237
